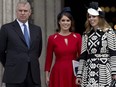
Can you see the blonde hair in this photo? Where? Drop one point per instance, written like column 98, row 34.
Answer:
column 103, row 24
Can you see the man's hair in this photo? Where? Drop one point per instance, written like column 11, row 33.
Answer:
column 24, row 3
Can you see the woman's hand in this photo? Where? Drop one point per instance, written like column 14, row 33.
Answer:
column 47, row 78
column 78, row 81
column 114, row 77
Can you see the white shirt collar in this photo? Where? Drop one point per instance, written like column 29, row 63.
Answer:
column 22, row 27
column 20, row 23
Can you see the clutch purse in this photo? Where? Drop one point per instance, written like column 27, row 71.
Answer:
column 113, row 83
column 75, row 66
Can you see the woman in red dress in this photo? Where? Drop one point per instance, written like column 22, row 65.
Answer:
column 66, row 46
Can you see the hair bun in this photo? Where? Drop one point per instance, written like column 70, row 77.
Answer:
column 66, row 9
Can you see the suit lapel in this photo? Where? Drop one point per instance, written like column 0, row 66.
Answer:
column 18, row 30
column 32, row 34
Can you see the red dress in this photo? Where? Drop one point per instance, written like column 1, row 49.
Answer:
column 65, row 49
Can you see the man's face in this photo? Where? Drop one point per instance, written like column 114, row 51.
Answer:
column 23, row 12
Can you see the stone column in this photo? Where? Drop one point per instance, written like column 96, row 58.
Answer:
column 1, row 67
column 45, row 14
column 39, row 19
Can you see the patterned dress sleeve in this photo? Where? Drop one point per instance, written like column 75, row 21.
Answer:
column 83, row 56
column 112, row 49
column 49, row 54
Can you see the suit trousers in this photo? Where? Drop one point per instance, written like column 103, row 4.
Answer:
column 28, row 82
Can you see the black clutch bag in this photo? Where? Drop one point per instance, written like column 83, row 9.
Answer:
column 113, row 83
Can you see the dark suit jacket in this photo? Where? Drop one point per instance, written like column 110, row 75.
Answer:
column 14, row 53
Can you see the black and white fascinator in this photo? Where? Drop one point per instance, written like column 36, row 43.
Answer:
column 95, row 10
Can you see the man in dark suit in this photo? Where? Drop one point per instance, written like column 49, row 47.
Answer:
column 20, row 50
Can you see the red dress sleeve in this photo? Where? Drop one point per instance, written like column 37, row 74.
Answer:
column 79, row 44
column 49, row 54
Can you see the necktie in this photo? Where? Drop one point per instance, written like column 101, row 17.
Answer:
column 26, row 35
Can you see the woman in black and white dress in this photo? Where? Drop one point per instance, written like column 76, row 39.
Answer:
column 97, row 64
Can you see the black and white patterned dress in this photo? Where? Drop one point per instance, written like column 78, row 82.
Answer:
column 98, row 58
